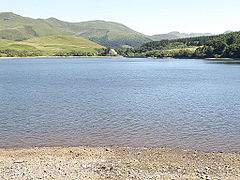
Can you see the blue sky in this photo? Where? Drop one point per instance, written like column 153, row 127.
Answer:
column 146, row 16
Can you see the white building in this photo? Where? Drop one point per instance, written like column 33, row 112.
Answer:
column 112, row 52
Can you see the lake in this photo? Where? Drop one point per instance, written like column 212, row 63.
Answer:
column 189, row 104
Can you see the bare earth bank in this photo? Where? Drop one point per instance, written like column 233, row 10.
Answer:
column 117, row 163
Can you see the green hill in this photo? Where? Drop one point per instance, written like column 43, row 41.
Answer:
column 221, row 46
column 70, row 41
column 18, row 28
column 15, row 27
column 49, row 46
column 4, row 42
column 102, row 32
column 112, row 34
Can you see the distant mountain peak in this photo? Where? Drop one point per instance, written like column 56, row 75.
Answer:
column 228, row 31
column 177, row 35
column 174, row 32
column 52, row 18
column 8, row 15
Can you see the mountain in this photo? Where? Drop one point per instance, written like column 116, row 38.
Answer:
column 177, row 35
column 112, row 34
column 18, row 28
column 102, row 32
column 15, row 27
column 228, row 31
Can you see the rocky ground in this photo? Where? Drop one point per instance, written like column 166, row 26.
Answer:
column 117, row 163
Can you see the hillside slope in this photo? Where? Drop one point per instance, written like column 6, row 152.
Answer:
column 18, row 28
column 102, row 32
column 112, row 34
column 221, row 46
column 15, row 27
column 49, row 46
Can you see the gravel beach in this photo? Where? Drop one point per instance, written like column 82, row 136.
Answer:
column 117, row 163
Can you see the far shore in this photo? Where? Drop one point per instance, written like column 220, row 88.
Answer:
column 33, row 57
column 223, row 59
column 98, row 163
column 45, row 57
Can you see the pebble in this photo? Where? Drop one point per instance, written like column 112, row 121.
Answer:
column 123, row 165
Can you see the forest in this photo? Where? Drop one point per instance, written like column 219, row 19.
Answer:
column 221, row 46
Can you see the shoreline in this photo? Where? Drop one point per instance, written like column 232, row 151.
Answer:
column 46, row 57
column 223, row 59
column 116, row 163
column 115, row 146
column 49, row 57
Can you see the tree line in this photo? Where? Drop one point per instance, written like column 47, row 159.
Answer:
column 221, row 46
column 7, row 52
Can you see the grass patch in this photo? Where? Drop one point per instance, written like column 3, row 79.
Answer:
column 49, row 46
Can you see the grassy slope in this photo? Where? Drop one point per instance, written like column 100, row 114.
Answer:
column 169, row 52
column 15, row 27
column 102, row 32
column 51, row 44
column 4, row 42
column 179, row 49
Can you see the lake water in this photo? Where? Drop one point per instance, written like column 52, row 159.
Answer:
column 190, row 104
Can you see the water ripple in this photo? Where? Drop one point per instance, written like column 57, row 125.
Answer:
column 191, row 104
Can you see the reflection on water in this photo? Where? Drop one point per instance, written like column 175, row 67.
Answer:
column 192, row 104
column 231, row 62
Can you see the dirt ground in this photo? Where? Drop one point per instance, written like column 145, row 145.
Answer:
column 117, row 163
